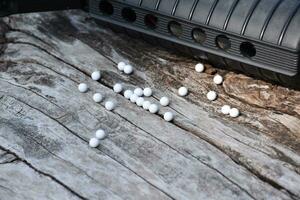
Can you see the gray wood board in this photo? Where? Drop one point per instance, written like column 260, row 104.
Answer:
column 45, row 123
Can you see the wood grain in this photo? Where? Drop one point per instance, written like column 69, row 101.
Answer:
column 45, row 123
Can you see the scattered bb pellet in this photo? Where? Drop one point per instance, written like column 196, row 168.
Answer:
column 82, row 87
column 226, row 109
column 118, row 88
column 146, row 105
column 168, row 116
column 100, row 134
column 94, row 142
column 109, row 105
column 140, row 101
column 139, row 92
column 199, row 67
column 183, row 91
column 153, row 108
column 212, row 95
column 127, row 94
column 164, row 101
column 121, row 66
column 218, row 79
column 97, row 97
column 133, row 98
column 147, row 92
column 128, row 69
column 96, row 75
column 234, row 112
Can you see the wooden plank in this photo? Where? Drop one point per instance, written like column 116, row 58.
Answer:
column 202, row 155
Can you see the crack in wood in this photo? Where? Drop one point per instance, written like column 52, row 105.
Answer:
column 7, row 158
column 30, row 90
column 237, row 161
column 9, row 161
column 44, row 173
column 6, row 188
column 31, row 35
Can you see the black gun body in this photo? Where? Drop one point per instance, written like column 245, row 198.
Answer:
column 257, row 37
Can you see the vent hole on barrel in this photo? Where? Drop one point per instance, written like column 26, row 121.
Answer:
column 151, row 21
column 248, row 49
column 199, row 35
column 175, row 28
column 128, row 14
column 106, row 8
column 223, row 42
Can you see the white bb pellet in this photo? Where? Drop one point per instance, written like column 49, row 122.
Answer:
column 234, row 112
column 96, row 75
column 109, row 105
column 140, row 101
column 100, row 134
column 133, row 98
column 118, row 88
column 146, row 105
column 128, row 69
column 212, row 95
column 97, row 97
column 147, row 92
column 153, row 108
column 139, row 92
column 168, row 116
column 164, row 101
column 121, row 66
column 226, row 109
column 82, row 87
column 127, row 94
column 183, row 91
column 94, row 142
column 199, row 67
column 218, row 79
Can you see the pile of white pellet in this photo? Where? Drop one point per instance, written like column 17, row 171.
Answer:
column 212, row 95
column 142, row 97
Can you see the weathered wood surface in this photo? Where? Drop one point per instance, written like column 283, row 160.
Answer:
column 45, row 124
